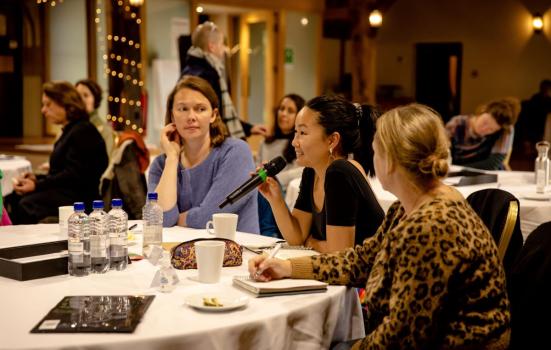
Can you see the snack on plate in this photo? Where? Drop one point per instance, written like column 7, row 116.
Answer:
column 211, row 302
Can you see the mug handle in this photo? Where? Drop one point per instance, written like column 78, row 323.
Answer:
column 208, row 227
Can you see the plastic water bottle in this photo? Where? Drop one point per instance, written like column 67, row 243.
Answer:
column 118, row 226
column 79, row 242
column 152, row 222
column 99, row 238
column 542, row 167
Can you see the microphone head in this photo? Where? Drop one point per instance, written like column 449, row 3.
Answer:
column 274, row 166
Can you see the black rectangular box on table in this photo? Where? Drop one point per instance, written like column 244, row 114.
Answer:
column 50, row 265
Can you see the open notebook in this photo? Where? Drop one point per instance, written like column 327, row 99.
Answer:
column 279, row 287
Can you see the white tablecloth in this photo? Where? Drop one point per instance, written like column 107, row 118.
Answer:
column 306, row 321
column 12, row 167
column 520, row 183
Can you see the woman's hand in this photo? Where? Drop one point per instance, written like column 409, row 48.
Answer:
column 24, row 186
column 171, row 142
column 271, row 190
column 263, row 269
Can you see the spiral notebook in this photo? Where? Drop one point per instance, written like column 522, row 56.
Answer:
column 279, row 287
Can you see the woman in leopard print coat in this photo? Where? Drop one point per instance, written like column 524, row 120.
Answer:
column 432, row 275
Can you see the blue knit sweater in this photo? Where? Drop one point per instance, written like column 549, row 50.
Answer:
column 202, row 188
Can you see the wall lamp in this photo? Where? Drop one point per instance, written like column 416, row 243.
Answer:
column 375, row 19
column 537, row 22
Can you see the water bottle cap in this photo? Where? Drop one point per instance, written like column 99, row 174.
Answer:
column 78, row 206
column 152, row 195
column 542, row 146
column 97, row 204
column 116, row 202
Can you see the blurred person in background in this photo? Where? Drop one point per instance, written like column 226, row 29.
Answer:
column 279, row 143
column 76, row 163
column 206, row 59
column 484, row 140
column 91, row 92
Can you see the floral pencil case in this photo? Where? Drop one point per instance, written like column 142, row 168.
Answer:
column 183, row 255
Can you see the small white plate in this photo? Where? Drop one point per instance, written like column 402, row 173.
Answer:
column 229, row 302
column 537, row 196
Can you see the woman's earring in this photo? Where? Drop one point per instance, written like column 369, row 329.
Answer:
column 331, row 153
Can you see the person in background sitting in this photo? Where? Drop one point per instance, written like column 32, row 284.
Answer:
column 336, row 207
column 484, row 140
column 201, row 165
column 279, row 143
column 76, row 163
column 432, row 274
column 91, row 92
column 206, row 58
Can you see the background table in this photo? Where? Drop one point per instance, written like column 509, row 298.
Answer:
column 305, row 321
column 520, row 183
column 12, row 167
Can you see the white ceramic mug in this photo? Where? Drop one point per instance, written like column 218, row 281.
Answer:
column 210, row 257
column 224, row 224
column 64, row 213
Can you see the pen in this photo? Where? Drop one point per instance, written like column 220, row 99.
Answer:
column 132, row 227
column 271, row 256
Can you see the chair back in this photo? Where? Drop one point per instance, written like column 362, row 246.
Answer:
column 530, row 292
column 499, row 210
column 124, row 178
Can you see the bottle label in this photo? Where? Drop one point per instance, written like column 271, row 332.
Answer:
column 152, row 234
column 76, row 247
column 76, row 252
column 98, row 246
column 118, row 241
column 541, row 180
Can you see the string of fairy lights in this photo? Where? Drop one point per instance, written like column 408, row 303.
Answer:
column 111, row 60
column 52, row 2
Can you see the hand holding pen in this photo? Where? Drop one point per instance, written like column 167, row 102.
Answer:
column 267, row 267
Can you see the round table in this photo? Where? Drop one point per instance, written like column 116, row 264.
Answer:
column 302, row 321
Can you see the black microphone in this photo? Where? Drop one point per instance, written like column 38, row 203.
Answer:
column 272, row 168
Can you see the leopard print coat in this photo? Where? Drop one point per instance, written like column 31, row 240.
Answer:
column 433, row 279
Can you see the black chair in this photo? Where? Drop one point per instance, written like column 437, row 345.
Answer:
column 530, row 292
column 499, row 210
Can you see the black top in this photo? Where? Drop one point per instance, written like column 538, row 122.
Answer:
column 199, row 67
column 77, row 162
column 349, row 201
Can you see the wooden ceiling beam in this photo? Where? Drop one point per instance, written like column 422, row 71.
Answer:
column 275, row 5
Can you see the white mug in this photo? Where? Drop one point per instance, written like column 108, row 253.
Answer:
column 64, row 213
column 210, row 257
column 224, row 224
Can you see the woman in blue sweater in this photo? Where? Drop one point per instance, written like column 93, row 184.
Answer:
column 201, row 165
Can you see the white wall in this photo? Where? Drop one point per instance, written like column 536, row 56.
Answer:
column 159, row 16
column 301, row 76
column 68, row 52
column 498, row 44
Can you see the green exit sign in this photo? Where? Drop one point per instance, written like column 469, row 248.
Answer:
column 289, row 56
